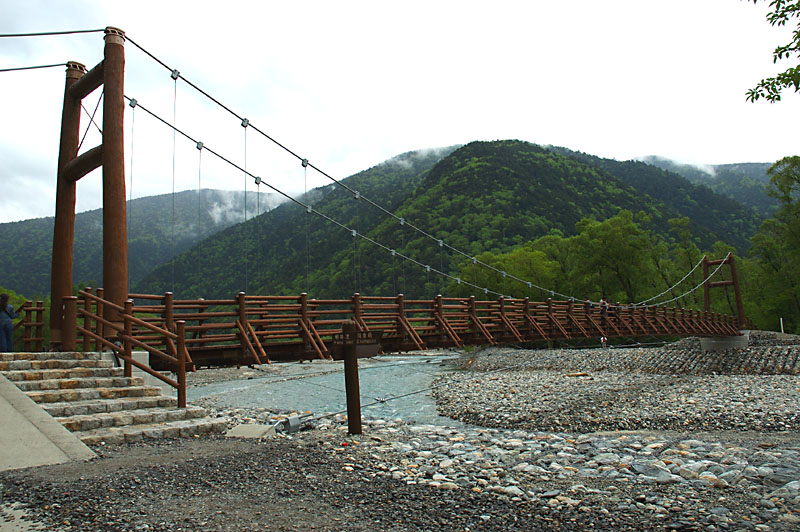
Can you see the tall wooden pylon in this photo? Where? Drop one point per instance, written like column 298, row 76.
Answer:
column 109, row 73
column 734, row 282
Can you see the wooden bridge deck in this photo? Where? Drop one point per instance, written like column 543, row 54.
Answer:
column 256, row 329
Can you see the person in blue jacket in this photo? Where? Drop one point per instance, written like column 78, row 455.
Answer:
column 6, row 327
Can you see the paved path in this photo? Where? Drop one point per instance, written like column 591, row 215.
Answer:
column 30, row 437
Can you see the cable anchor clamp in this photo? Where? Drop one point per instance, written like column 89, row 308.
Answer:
column 304, row 162
column 175, row 74
column 133, row 102
column 245, row 122
column 199, row 145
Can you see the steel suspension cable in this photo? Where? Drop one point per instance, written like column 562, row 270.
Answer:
column 310, row 209
column 258, row 233
column 91, row 121
column 47, row 33
column 130, row 187
column 244, row 227
column 319, row 170
column 704, row 281
column 174, row 129
column 17, row 69
column 199, row 146
column 308, row 230
column 529, row 284
column 673, row 286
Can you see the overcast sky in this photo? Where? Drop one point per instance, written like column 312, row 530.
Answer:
column 350, row 84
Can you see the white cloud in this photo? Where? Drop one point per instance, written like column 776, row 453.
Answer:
column 350, row 84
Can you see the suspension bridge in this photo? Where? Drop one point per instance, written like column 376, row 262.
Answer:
column 181, row 334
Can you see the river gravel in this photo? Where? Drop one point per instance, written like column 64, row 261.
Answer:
column 645, row 438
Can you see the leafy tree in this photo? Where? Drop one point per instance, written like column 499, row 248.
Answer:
column 777, row 247
column 614, row 254
column 770, row 89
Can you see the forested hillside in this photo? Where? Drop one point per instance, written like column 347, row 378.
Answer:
column 153, row 236
column 726, row 218
column 270, row 253
column 746, row 183
column 485, row 196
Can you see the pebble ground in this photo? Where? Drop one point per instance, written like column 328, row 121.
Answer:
column 648, row 438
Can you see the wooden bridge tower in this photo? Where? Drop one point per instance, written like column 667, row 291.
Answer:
column 109, row 73
column 734, row 282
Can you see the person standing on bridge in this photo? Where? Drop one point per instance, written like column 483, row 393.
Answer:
column 7, row 314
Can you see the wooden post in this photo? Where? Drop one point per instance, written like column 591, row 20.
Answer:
column 241, row 303
column 126, row 339
column 39, row 329
column 87, row 321
column 64, row 227
column 181, row 369
column 304, row 307
column 357, row 310
column 437, row 308
column 98, row 326
column 69, row 325
column 169, row 312
column 742, row 320
column 115, row 231
column 27, row 326
column 304, row 318
column 352, row 391
column 706, row 288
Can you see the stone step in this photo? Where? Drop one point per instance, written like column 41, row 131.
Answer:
column 101, row 406
column 69, row 373
column 142, row 416
column 18, row 365
column 82, row 394
column 92, row 398
column 79, row 383
column 55, row 355
column 134, row 433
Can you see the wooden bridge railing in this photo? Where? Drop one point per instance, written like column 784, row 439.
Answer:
column 259, row 329
column 124, row 332
column 31, row 326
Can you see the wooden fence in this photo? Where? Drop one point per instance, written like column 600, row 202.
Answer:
column 260, row 329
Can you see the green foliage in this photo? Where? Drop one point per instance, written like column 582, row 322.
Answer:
column 782, row 11
column 714, row 217
column 746, row 183
column 153, row 237
column 777, row 250
column 269, row 254
column 509, row 201
column 614, row 258
column 613, row 255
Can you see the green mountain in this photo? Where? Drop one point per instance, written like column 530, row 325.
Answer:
column 274, row 252
column 727, row 219
column 743, row 182
column 154, row 236
column 485, row 196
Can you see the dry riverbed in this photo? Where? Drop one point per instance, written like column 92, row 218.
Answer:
column 557, row 440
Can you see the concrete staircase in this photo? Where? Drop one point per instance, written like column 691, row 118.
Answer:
column 92, row 399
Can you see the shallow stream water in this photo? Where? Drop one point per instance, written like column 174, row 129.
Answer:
column 319, row 387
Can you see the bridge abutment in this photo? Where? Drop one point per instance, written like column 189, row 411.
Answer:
column 721, row 343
